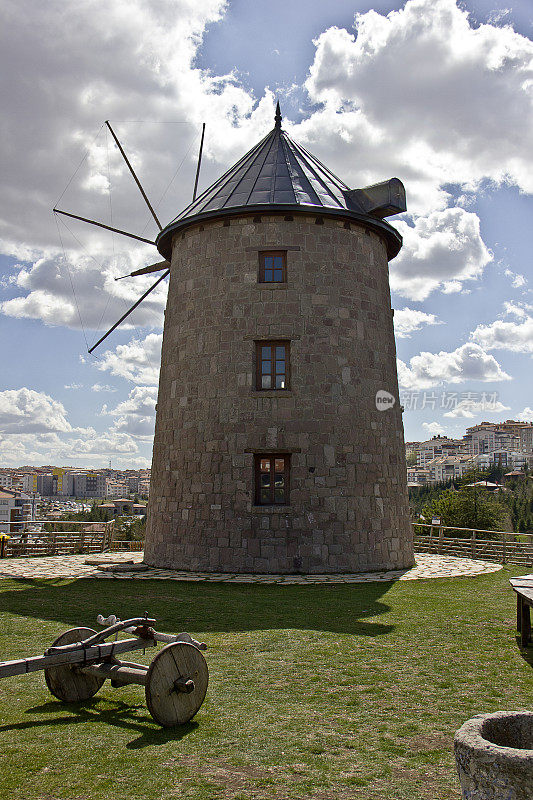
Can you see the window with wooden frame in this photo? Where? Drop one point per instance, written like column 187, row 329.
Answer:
column 272, row 362
column 272, row 479
column 273, row 266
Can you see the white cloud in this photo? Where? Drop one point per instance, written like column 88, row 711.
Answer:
column 428, row 82
column 409, row 320
column 468, row 409
column 73, row 386
column 90, row 450
column 146, row 69
column 412, row 94
column 35, row 429
column 26, row 411
column 517, row 280
column 519, row 310
column 440, row 251
column 137, row 361
column 81, row 292
column 142, row 70
column 433, row 428
column 467, row 363
column 101, row 444
column 516, row 337
column 526, row 415
column 98, row 387
column 136, row 414
column 141, row 78
column 499, row 15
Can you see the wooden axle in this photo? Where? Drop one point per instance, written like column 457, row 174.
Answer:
column 119, row 674
column 122, row 674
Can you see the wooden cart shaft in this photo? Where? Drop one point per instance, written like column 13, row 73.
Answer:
column 81, row 655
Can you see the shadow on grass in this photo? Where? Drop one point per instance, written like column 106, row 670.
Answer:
column 120, row 715
column 525, row 652
column 221, row 607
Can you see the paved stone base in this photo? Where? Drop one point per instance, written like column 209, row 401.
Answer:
column 80, row 566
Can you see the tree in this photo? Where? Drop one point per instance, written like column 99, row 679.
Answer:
column 411, row 460
column 467, row 508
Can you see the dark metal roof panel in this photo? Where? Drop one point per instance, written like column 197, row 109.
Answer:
column 280, row 174
column 276, row 171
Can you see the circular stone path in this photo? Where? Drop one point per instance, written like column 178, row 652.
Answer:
column 128, row 565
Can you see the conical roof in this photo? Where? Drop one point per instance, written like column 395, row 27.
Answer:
column 276, row 175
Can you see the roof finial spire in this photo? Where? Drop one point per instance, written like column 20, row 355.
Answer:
column 277, row 118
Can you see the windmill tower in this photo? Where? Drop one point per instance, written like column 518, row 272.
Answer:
column 279, row 440
column 272, row 453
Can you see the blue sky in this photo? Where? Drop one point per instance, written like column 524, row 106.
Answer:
column 439, row 95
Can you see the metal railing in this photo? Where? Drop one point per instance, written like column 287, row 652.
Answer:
column 504, row 547
column 25, row 538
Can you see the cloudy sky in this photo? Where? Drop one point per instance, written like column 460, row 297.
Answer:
column 435, row 93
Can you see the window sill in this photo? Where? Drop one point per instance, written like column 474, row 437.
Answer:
column 272, row 392
column 270, row 509
column 272, row 284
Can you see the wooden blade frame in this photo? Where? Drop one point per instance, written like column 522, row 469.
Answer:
column 101, row 225
column 134, row 306
column 161, row 265
column 135, row 178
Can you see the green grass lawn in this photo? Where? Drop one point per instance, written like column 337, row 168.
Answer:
column 326, row 692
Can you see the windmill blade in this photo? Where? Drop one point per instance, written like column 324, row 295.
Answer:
column 135, row 178
column 134, row 306
column 199, row 163
column 101, row 225
column 146, row 270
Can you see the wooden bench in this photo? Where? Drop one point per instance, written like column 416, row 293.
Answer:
column 523, row 587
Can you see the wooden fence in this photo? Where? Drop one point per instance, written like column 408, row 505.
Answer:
column 87, row 537
column 123, row 544
column 503, row 547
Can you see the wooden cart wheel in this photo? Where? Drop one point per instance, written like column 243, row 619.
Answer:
column 64, row 681
column 170, row 696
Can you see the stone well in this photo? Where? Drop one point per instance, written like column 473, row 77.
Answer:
column 494, row 756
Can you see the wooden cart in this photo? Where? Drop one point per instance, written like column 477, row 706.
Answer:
column 80, row 660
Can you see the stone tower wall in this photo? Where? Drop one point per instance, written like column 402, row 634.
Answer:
column 348, row 506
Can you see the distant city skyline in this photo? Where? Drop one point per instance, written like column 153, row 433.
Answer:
column 426, row 90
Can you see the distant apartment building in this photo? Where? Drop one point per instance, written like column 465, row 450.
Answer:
column 526, row 438
column 116, row 488
column 43, row 484
column 488, row 437
column 17, row 481
column 411, row 448
column 438, row 447
column 88, row 485
column 448, row 468
column 133, row 484
column 6, row 480
column 143, row 487
column 15, row 510
column 416, row 476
